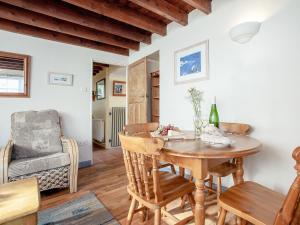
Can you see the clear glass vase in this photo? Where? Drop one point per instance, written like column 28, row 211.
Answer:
column 197, row 127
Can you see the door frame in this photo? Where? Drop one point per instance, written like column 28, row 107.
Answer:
column 90, row 88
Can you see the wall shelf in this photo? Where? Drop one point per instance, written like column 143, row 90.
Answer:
column 155, row 96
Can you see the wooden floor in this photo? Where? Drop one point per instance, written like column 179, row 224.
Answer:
column 106, row 178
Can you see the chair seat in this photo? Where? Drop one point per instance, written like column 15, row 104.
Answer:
column 32, row 165
column 252, row 202
column 172, row 186
column 223, row 169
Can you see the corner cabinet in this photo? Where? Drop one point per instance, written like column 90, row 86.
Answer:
column 155, row 96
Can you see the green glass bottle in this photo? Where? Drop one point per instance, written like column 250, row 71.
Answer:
column 214, row 116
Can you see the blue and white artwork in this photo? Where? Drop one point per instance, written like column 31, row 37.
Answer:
column 190, row 64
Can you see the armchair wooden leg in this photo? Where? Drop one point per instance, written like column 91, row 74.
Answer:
column 73, row 182
column 157, row 217
column 222, row 217
column 131, row 211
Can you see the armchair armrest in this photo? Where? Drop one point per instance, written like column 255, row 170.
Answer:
column 70, row 146
column 5, row 158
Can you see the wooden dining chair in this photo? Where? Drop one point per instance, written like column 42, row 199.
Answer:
column 152, row 191
column 229, row 167
column 137, row 128
column 259, row 205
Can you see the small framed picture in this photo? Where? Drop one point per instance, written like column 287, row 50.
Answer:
column 100, row 89
column 192, row 63
column 60, row 79
column 119, row 88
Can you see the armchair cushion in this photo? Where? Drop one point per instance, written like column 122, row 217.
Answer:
column 32, row 165
column 35, row 134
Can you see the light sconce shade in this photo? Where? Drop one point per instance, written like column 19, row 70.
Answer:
column 244, row 32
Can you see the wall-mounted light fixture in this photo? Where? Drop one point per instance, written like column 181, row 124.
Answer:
column 244, row 32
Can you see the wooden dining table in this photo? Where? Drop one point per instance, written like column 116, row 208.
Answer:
column 198, row 157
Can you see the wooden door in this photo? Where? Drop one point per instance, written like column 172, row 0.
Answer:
column 137, row 92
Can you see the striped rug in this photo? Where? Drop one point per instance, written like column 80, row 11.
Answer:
column 86, row 210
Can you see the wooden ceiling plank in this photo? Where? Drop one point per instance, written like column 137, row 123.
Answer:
column 123, row 14
column 35, row 19
column 59, row 37
column 60, row 11
column 202, row 5
column 164, row 9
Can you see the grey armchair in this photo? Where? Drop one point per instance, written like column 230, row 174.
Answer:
column 38, row 149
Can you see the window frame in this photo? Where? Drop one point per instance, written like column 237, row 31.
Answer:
column 26, row 68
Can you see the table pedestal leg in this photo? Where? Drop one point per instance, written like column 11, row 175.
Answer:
column 181, row 171
column 240, row 171
column 238, row 178
column 199, row 202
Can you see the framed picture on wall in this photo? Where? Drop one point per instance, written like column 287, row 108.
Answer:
column 60, row 79
column 100, row 89
column 119, row 88
column 192, row 63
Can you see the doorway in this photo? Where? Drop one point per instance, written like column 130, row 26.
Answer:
column 109, row 104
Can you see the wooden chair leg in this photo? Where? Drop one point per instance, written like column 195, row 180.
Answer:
column 157, row 217
column 131, row 211
column 243, row 222
column 222, row 217
column 192, row 202
column 210, row 182
column 219, row 187
column 173, row 169
column 183, row 200
column 145, row 215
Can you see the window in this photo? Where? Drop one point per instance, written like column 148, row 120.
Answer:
column 11, row 83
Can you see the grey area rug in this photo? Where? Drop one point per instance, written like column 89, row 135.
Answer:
column 86, row 210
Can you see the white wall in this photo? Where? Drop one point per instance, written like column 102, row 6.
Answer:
column 73, row 103
column 255, row 83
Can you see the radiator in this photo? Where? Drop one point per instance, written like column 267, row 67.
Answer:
column 98, row 130
column 118, row 122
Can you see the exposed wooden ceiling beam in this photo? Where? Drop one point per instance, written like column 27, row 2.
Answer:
column 165, row 9
column 61, row 11
column 55, row 36
column 100, row 64
column 203, row 5
column 35, row 19
column 123, row 14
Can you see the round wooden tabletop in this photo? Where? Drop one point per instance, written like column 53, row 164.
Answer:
column 242, row 146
